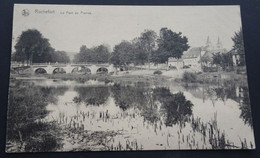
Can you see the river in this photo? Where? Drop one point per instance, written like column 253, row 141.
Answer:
column 135, row 116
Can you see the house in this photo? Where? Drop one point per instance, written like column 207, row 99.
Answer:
column 192, row 57
column 177, row 63
column 237, row 58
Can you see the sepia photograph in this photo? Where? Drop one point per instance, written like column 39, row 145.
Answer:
column 122, row 78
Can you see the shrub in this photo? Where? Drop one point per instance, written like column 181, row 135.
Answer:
column 158, row 72
column 210, row 69
column 173, row 67
column 189, row 77
column 241, row 70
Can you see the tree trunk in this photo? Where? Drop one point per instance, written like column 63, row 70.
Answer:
column 116, row 70
column 20, row 136
column 178, row 108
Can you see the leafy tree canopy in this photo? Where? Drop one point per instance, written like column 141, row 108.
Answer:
column 239, row 46
column 99, row 54
column 223, row 60
column 123, row 54
column 238, row 42
column 31, row 46
column 171, row 44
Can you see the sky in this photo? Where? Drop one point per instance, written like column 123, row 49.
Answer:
column 68, row 27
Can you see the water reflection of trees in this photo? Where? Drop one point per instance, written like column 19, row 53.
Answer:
column 245, row 107
column 238, row 93
column 27, row 107
column 175, row 108
column 50, row 93
column 92, row 95
column 241, row 95
column 129, row 96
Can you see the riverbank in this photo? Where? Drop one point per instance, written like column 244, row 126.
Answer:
column 144, row 76
column 99, row 117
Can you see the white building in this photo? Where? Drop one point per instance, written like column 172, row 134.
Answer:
column 192, row 57
column 173, row 62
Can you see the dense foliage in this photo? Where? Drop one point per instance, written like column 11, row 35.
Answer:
column 171, row 44
column 26, row 109
column 239, row 46
column 123, row 54
column 224, row 60
column 99, row 54
column 189, row 77
column 32, row 47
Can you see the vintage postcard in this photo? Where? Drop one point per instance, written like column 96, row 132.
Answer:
column 113, row 78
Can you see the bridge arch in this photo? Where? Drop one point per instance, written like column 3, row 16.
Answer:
column 102, row 70
column 40, row 71
column 81, row 70
column 59, row 70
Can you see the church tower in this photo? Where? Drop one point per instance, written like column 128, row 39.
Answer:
column 219, row 44
column 208, row 44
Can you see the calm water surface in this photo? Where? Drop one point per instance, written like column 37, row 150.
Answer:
column 139, row 116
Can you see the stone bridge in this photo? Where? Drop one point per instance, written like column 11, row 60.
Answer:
column 72, row 68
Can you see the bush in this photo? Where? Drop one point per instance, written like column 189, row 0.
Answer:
column 241, row 70
column 210, row 69
column 186, row 66
column 158, row 72
column 189, row 77
column 173, row 67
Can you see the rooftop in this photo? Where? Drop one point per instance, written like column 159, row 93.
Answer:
column 192, row 53
column 171, row 59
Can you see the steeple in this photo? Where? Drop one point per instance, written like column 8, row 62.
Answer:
column 208, row 43
column 219, row 44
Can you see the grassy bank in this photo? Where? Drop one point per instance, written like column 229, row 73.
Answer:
column 213, row 78
column 127, row 78
column 148, row 77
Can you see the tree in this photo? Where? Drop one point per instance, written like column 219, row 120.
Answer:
column 223, row 60
column 171, row 44
column 98, row 54
column 158, row 57
column 206, row 60
column 239, row 46
column 60, row 56
column 32, row 47
column 84, row 55
column 123, row 54
column 101, row 54
column 140, row 56
column 238, row 41
column 147, row 41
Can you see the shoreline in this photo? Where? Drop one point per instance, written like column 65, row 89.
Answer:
column 143, row 76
